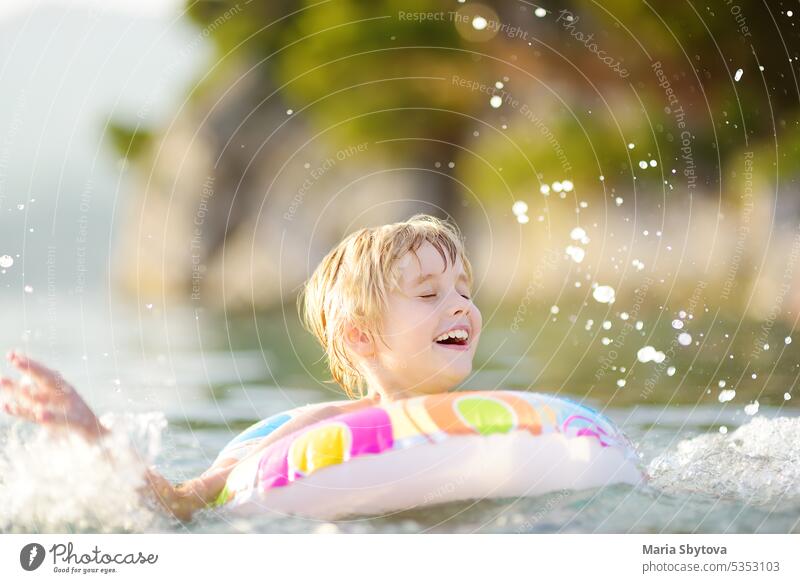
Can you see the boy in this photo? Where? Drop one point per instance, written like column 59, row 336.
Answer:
column 392, row 308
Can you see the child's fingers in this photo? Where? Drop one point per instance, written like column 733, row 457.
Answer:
column 18, row 410
column 15, row 391
column 20, row 402
column 8, row 389
column 22, row 399
column 45, row 377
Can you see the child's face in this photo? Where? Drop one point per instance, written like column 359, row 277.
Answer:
column 432, row 300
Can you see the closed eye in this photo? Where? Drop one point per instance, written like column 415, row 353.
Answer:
column 429, row 296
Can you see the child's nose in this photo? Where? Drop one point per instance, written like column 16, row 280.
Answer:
column 459, row 304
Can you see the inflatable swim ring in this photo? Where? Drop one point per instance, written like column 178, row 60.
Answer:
column 424, row 451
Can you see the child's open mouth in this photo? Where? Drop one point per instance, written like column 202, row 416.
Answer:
column 455, row 339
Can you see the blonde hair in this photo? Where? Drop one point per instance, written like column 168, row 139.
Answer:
column 352, row 283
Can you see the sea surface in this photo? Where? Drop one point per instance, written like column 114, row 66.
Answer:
column 180, row 382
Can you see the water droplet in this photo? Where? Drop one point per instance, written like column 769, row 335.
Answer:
column 624, row 316
column 554, row 309
column 567, row 185
column 604, row 294
column 577, row 233
column 496, row 101
column 639, row 325
column 479, row 23
column 726, row 395
column 786, row 396
column 648, row 353
column 621, row 383
column 289, row 111
column 631, row 146
column 575, row 253
column 677, row 324
column 751, row 409
column 642, row 164
column 519, row 208
column 28, row 289
column 523, row 219
column 605, row 340
column 787, row 340
column 499, row 84
column 607, row 325
column 541, row 12
column 6, row 261
column 670, row 371
column 684, row 339
column 721, row 384
column 544, row 189
column 618, row 201
column 738, row 75
column 723, row 430
column 653, row 163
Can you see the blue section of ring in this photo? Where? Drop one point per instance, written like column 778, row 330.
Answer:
column 261, row 429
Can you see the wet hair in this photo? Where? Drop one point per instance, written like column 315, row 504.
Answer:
column 352, row 283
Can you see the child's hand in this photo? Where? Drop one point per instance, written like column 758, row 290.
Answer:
column 51, row 401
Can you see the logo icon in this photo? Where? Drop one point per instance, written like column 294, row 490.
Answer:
column 31, row 556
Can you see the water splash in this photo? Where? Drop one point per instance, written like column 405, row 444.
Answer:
column 759, row 463
column 60, row 483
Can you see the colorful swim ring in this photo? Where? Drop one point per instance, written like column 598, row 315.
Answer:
column 424, row 451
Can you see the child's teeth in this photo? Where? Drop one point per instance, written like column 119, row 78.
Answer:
column 462, row 334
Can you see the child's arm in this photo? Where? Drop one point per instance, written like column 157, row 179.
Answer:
column 184, row 499
column 54, row 402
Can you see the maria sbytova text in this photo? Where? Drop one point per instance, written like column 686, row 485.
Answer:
column 694, row 551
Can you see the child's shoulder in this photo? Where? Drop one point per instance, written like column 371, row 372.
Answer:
column 339, row 407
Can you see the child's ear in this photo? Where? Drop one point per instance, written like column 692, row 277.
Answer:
column 357, row 340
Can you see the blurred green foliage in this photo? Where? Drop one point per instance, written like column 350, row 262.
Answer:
column 128, row 142
column 361, row 71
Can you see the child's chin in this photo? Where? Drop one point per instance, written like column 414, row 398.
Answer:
column 457, row 372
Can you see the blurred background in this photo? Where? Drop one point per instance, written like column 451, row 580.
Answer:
column 625, row 176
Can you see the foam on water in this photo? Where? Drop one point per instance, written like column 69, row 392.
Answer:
column 58, row 482
column 759, row 463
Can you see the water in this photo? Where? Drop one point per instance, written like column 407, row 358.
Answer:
column 179, row 383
